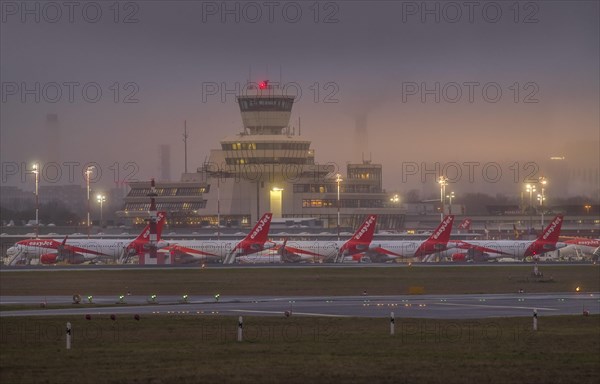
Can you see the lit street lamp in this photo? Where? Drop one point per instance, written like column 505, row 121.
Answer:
column 395, row 199
column 541, row 199
column 37, row 199
column 101, row 199
column 443, row 181
column 87, row 172
column 543, row 182
column 450, row 197
column 587, row 208
column 530, row 188
column 338, row 180
column 219, row 174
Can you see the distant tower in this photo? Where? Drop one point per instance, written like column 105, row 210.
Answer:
column 185, row 138
column 52, row 136
column 165, row 162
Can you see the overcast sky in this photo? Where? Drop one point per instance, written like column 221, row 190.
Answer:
column 447, row 82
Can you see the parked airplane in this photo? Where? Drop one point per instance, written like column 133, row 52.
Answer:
column 77, row 251
column 581, row 246
column 318, row 251
column 392, row 249
column 359, row 247
column 482, row 250
column 186, row 251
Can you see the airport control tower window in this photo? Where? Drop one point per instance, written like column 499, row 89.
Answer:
column 269, row 146
column 266, row 104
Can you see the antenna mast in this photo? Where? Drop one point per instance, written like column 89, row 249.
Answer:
column 185, row 137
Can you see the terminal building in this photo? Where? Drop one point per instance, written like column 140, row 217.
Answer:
column 268, row 168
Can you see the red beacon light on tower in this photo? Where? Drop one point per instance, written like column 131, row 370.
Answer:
column 263, row 84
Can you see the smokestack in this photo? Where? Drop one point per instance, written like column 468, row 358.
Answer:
column 165, row 162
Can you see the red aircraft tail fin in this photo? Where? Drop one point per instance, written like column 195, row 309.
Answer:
column 361, row 238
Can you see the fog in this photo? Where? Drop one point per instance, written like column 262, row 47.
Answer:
column 499, row 83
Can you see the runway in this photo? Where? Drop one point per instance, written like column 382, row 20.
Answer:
column 135, row 267
column 405, row 306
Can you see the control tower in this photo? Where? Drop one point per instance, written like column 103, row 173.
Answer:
column 264, row 158
column 265, row 109
column 269, row 167
column 267, row 138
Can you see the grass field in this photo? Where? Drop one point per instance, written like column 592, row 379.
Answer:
column 193, row 349
column 203, row 348
column 303, row 281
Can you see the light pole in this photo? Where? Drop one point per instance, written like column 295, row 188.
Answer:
column 88, row 171
column 219, row 207
column 395, row 199
column 219, row 174
column 543, row 182
column 101, row 199
column 443, row 181
column 587, row 208
column 530, row 188
column 541, row 198
column 338, row 180
column 37, row 199
column 450, row 197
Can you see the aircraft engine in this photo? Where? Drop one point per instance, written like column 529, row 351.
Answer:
column 162, row 244
column 48, row 258
column 458, row 257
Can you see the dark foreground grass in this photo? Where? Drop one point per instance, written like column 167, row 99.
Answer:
column 303, row 281
column 194, row 349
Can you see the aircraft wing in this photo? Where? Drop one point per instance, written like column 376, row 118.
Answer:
column 294, row 254
column 465, row 245
column 178, row 249
column 67, row 250
column 381, row 250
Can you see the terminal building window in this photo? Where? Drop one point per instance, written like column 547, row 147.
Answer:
column 138, row 192
column 317, row 203
column 169, row 207
column 344, row 203
column 316, row 188
column 190, row 191
column 174, row 191
column 301, row 188
column 266, row 160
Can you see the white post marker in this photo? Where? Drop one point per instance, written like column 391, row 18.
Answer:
column 535, row 319
column 392, row 323
column 240, row 327
column 68, row 335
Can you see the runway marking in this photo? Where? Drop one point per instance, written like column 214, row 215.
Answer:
column 282, row 312
column 497, row 306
